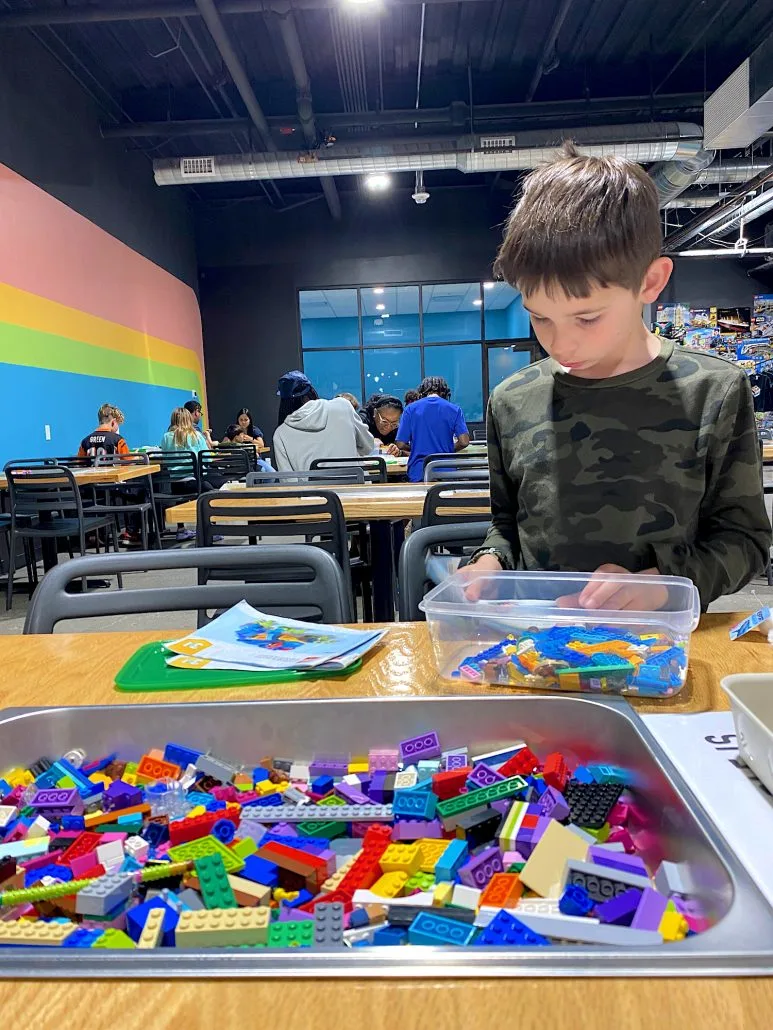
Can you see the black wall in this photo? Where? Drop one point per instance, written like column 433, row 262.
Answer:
column 253, row 261
column 49, row 133
column 725, row 282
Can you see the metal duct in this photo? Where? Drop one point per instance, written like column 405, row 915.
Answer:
column 432, row 156
column 730, row 171
column 673, row 177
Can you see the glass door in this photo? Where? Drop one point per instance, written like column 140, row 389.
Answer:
column 504, row 359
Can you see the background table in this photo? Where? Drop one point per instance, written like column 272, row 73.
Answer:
column 79, row 668
column 102, row 475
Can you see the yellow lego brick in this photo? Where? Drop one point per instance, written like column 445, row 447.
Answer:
column 100, row 778
column 332, row 883
column 390, row 885
column 673, row 926
column 26, row 932
column 402, row 858
column 153, row 928
column 442, row 895
column 19, row 777
column 280, row 894
column 130, row 778
column 431, row 850
column 196, row 810
column 222, row 927
column 358, row 766
column 264, row 787
column 249, row 892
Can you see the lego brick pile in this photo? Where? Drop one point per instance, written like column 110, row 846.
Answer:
column 412, row 845
column 600, row 659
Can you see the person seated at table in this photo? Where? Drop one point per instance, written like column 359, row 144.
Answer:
column 195, row 409
column 410, row 396
column 244, row 430
column 105, row 439
column 310, row 427
column 431, row 425
column 182, row 435
column 382, row 417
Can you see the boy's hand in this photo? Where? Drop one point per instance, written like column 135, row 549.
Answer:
column 613, row 596
column 393, row 450
column 486, row 563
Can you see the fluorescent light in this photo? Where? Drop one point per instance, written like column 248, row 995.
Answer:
column 381, row 307
column 477, row 302
column 385, row 315
column 378, row 289
column 378, row 182
column 488, row 286
column 727, row 252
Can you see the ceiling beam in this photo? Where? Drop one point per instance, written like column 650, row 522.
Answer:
column 168, row 9
column 454, row 116
column 549, row 47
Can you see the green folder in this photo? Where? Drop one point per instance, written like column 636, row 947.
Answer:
column 147, row 670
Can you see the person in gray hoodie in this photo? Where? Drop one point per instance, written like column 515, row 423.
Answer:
column 310, row 427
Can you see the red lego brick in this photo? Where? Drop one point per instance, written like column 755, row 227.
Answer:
column 181, row 831
column 529, row 822
column 448, row 784
column 555, row 771
column 523, row 763
column 82, row 845
column 156, row 769
column 377, row 836
column 328, row 899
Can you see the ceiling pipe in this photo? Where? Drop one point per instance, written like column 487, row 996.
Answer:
column 725, row 207
column 673, row 177
column 209, row 12
column 289, row 33
column 549, row 48
column 88, row 15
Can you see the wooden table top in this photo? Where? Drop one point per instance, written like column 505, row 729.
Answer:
column 76, row 669
column 767, row 450
column 102, row 475
column 367, row 503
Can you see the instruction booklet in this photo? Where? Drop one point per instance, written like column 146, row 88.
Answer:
column 245, row 639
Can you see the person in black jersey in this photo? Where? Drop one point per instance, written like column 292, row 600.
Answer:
column 105, row 439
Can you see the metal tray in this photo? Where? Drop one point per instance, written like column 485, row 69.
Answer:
column 739, row 943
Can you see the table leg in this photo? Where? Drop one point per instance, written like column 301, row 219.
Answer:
column 386, row 539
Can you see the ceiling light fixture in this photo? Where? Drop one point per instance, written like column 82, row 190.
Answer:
column 378, row 289
column 381, row 307
column 488, row 286
column 378, row 182
column 477, row 302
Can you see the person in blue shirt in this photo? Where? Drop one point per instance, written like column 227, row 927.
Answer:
column 431, row 425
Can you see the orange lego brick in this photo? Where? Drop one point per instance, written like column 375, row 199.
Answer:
column 503, row 890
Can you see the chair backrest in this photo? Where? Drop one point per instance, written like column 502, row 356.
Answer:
column 75, row 461
column 446, row 503
column 323, row 595
column 249, row 449
column 479, row 435
column 230, row 463
column 412, row 576
column 443, row 471
column 334, row 477
column 175, row 466
column 454, row 458
column 139, row 458
column 43, row 489
column 375, row 467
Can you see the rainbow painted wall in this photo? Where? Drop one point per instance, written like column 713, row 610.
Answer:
column 85, row 320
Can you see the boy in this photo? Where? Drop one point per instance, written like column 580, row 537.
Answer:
column 429, row 425
column 105, row 439
column 194, row 407
column 621, row 452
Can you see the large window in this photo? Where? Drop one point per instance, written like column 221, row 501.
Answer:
column 385, row 339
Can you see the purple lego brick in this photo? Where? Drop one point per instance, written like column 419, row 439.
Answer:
column 426, row 745
column 617, row 860
column 554, row 804
column 650, row 910
column 478, row 870
column 351, row 795
column 483, row 776
column 451, row 762
column 503, row 806
column 285, row 828
column 377, row 787
column 58, row 801
column 620, row 910
column 120, row 795
column 329, row 765
column 416, row 829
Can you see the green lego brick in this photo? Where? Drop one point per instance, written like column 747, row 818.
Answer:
column 112, row 938
column 291, row 935
column 601, row 834
column 207, row 846
column 483, row 796
column 516, row 867
column 245, row 847
column 332, row 799
column 213, row 882
column 419, row 882
column 313, row 829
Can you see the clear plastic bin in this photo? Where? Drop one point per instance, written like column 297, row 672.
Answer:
column 527, row 629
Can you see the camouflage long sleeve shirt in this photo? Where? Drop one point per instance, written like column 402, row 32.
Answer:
column 659, row 467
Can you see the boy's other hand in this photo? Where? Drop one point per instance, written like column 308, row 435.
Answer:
column 614, row 596
column 475, row 588
column 393, row 450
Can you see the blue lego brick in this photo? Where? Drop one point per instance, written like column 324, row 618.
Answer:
column 180, row 755
column 60, row 872
column 357, row 919
column 269, row 801
column 428, row 928
column 82, row 938
column 136, row 917
column 414, row 804
column 259, row 870
column 198, row 797
column 583, row 775
column 83, row 784
column 259, row 774
column 314, row 845
column 130, row 865
column 73, row 822
column 321, row 785
column 224, row 830
column 387, row 936
column 98, row 764
column 575, row 901
column 451, row 860
column 6, row 788
column 155, row 833
column 609, row 774
column 505, row 930
column 213, row 805
column 304, row 896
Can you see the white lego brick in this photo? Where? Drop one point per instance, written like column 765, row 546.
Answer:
column 465, row 897
column 423, row 899
column 137, row 848
column 499, row 756
column 352, row 779
column 589, row 931
column 602, row 872
column 110, row 854
column 7, row 812
column 406, row 778
column 38, row 828
column 611, row 846
column 364, row 933
column 672, row 879
column 300, row 771
column 532, row 906
column 188, row 778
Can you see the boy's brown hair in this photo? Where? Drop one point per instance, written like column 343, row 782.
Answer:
column 581, row 222
column 109, row 413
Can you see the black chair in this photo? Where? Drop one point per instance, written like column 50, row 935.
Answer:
column 46, row 504
column 465, row 471
column 335, row 477
column 445, row 503
column 5, row 530
column 225, row 465
column 275, row 513
column 413, row 583
column 176, row 482
column 130, row 496
column 479, row 435
column 76, row 461
column 375, row 467
column 455, row 459
column 248, row 448
column 322, row 592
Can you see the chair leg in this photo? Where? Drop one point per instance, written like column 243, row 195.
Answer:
column 11, row 563
column 114, row 531
column 156, row 526
column 144, row 521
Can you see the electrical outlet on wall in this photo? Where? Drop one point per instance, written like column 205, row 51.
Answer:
column 48, row 432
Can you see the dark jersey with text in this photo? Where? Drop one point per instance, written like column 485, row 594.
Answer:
column 102, row 441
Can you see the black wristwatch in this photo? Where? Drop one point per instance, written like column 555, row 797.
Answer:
column 500, row 556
